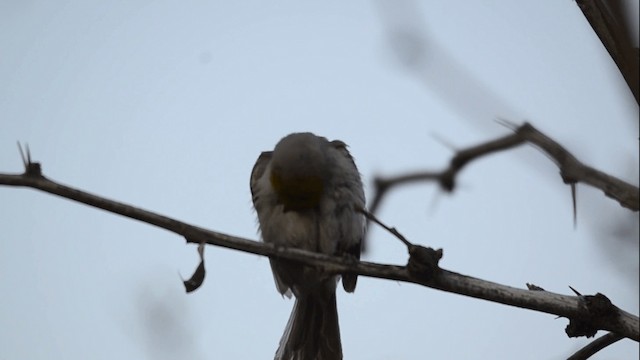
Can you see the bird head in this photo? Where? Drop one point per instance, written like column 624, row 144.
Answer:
column 299, row 171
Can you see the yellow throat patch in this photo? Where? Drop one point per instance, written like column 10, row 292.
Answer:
column 297, row 193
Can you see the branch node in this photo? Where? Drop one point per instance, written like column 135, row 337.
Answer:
column 568, row 179
column 534, row 287
column 599, row 308
column 423, row 261
column 31, row 169
column 448, row 178
column 600, row 305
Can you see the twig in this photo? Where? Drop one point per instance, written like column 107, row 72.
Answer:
column 572, row 170
column 393, row 231
column 595, row 346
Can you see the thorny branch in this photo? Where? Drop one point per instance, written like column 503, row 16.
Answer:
column 572, row 170
column 587, row 314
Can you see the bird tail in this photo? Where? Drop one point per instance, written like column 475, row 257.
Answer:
column 312, row 332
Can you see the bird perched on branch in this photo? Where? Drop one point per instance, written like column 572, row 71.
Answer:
column 307, row 193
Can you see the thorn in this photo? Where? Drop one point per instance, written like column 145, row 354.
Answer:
column 575, row 291
column 575, row 208
column 506, row 123
column 444, row 142
column 435, row 200
column 24, row 159
column 30, row 168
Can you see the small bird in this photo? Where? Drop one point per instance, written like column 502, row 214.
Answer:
column 307, row 194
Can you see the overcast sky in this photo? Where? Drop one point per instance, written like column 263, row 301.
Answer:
column 166, row 105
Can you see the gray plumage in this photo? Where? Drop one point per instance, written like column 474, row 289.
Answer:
column 306, row 193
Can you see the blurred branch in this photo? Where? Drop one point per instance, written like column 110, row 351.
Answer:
column 591, row 313
column 607, row 20
column 429, row 61
column 572, row 170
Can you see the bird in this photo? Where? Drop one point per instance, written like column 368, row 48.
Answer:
column 308, row 195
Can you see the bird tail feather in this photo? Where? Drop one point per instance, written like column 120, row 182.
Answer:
column 312, row 332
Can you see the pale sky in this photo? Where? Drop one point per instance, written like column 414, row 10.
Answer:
column 166, row 105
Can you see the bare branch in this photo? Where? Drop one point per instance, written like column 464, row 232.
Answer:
column 572, row 170
column 579, row 308
column 391, row 230
column 595, row 346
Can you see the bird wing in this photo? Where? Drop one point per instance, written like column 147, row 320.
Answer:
column 353, row 246
column 260, row 195
column 257, row 172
